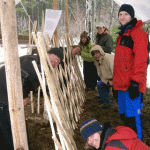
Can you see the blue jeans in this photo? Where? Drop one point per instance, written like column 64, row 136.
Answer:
column 103, row 90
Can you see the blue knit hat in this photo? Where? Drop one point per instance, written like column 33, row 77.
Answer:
column 90, row 127
column 128, row 8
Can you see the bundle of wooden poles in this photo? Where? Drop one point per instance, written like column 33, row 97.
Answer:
column 66, row 90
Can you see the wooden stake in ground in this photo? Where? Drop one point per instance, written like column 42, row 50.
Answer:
column 32, row 102
column 13, row 74
column 38, row 101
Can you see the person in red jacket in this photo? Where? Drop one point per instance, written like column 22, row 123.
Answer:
column 130, row 68
column 108, row 138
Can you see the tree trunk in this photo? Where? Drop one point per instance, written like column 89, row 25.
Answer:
column 13, row 74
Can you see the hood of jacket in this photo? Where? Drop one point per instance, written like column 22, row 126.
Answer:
column 123, row 133
column 98, row 48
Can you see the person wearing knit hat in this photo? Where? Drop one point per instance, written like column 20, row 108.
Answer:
column 89, row 127
column 86, row 45
column 130, row 68
column 30, row 82
column 56, row 56
column 127, row 8
column 108, row 138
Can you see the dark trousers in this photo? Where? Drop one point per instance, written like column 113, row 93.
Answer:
column 90, row 74
column 5, row 128
column 103, row 90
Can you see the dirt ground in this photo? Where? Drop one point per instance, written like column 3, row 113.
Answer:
column 40, row 136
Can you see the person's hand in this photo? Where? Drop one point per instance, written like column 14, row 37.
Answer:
column 110, row 82
column 94, row 45
column 25, row 101
column 134, row 90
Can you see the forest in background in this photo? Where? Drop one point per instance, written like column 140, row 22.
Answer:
column 82, row 15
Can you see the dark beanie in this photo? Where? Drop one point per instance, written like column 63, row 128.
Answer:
column 89, row 127
column 58, row 52
column 128, row 8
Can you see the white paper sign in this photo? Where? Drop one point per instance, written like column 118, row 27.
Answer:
column 51, row 21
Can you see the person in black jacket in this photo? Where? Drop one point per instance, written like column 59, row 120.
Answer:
column 30, row 82
column 103, row 38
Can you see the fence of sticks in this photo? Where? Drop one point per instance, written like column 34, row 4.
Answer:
column 66, row 90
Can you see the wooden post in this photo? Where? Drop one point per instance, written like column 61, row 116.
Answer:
column 29, row 34
column 32, row 102
column 66, row 16
column 13, row 74
column 55, row 35
column 38, row 101
column 55, row 4
column 31, row 38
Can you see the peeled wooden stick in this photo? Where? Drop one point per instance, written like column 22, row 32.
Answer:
column 32, row 102
column 38, row 101
column 29, row 34
column 31, row 38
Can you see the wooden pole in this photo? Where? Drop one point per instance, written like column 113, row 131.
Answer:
column 38, row 101
column 55, row 35
column 32, row 102
column 31, row 38
column 13, row 74
column 55, row 4
column 66, row 16
column 29, row 34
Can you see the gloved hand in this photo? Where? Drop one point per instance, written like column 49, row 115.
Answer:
column 115, row 94
column 134, row 89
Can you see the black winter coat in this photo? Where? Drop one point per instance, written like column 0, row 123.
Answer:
column 105, row 41
column 29, row 77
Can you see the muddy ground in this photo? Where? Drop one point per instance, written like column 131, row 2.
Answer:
column 40, row 135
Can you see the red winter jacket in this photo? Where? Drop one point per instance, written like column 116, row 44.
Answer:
column 128, row 137
column 131, row 63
